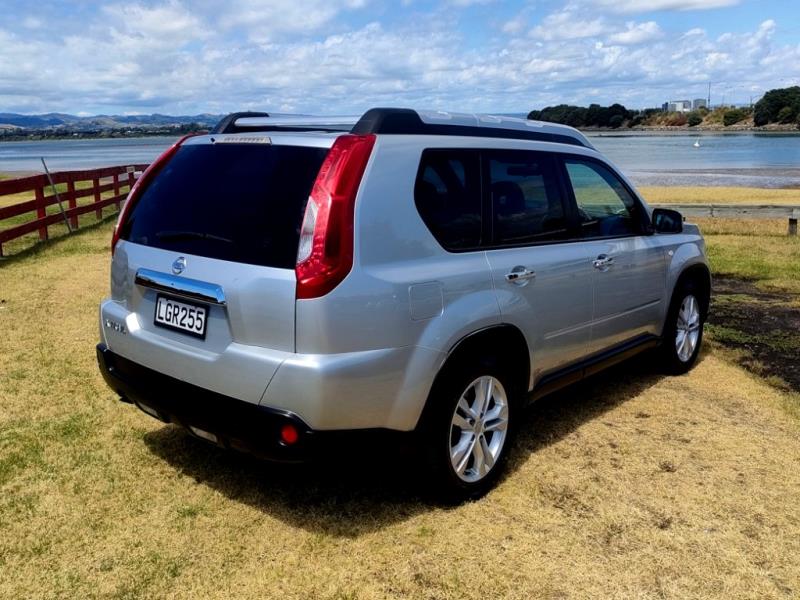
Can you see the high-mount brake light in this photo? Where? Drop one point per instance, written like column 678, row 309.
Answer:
column 141, row 184
column 325, row 252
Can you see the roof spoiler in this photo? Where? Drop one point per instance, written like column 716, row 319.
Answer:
column 228, row 123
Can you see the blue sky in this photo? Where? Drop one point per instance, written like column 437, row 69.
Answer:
column 344, row 56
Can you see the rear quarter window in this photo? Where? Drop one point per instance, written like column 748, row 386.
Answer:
column 236, row 202
column 447, row 194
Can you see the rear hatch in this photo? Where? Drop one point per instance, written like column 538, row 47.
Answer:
column 207, row 252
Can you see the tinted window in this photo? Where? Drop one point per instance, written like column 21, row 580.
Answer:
column 526, row 202
column 605, row 207
column 236, row 202
column 448, row 198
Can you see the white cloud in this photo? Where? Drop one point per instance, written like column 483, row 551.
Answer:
column 637, row 33
column 518, row 23
column 31, row 23
column 515, row 25
column 266, row 19
column 568, row 24
column 638, row 6
column 171, row 20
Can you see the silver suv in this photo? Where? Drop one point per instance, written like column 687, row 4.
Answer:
column 283, row 281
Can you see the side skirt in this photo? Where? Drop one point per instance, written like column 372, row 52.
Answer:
column 574, row 373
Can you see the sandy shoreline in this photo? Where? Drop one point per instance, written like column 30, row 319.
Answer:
column 685, row 131
column 17, row 174
column 761, row 177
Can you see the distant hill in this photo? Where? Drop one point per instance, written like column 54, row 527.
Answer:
column 52, row 121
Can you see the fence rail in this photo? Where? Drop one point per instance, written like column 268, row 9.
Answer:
column 102, row 187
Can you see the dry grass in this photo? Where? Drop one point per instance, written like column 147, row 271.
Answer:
column 631, row 486
column 719, row 195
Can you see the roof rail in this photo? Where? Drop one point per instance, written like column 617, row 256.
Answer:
column 405, row 121
column 238, row 122
column 300, row 123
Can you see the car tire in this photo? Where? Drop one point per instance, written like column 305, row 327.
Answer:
column 467, row 429
column 683, row 329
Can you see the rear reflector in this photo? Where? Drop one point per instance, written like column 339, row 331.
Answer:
column 206, row 435
column 150, row 411
column 289, row 434
column 325, row 252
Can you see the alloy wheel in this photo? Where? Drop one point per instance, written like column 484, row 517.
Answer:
column 687, row 332
column 478, row 429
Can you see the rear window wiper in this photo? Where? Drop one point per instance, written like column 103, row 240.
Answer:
column 192, row 235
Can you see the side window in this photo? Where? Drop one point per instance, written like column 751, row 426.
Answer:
column 526, row 200
column 605, row 207
column 448, row 198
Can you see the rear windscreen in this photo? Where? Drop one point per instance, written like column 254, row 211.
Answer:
column 236, row 202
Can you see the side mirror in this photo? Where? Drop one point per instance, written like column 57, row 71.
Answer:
column 667, row 221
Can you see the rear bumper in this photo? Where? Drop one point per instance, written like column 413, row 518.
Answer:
column 233, row 423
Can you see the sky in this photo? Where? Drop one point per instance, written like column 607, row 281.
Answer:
column 345, row 56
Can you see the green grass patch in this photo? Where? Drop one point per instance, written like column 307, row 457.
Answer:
column 778, row 340
column 20, row 452
column 773, row 262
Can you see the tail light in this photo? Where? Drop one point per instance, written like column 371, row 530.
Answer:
column 325, row 251
column 141, row 184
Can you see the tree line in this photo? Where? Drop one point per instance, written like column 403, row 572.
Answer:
column 594, row 115
column 777, row 106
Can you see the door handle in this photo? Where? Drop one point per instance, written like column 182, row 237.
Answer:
column 520, row 275
column 603, row 262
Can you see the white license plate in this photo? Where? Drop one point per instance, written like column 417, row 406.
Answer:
column 181, row 316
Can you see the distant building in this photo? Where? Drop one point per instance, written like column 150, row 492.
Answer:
column 699, row 103
column 682, row 106
column 665, row 107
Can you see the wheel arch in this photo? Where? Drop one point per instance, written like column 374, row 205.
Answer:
column 700, row 274
column 512, row 348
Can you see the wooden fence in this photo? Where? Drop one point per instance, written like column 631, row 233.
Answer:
column 80, row 192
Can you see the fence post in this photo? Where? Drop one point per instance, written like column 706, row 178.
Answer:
column 96, row 186
column 130, row 178
column 72, row 202
column 792, row 226
column 116, row 189
column 41, row 212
